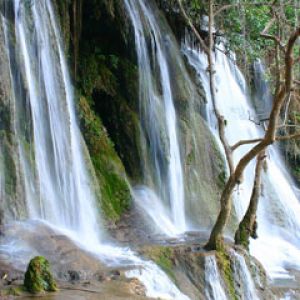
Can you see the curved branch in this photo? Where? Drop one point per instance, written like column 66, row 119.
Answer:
column 245, row 142
column 275, row 39
column 288, row 137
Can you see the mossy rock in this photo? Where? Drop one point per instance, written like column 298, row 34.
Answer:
column 38, row 277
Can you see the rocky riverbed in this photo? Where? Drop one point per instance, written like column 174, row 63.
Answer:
column 80, row 274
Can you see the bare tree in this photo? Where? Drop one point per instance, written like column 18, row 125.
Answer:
column 270, row 137
column 261, row 143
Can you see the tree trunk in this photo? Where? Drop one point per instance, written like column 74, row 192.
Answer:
column 211, row 69
column 216, row 237
column 248, row 225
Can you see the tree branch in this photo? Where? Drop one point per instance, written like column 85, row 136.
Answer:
column 245, row 142
column 191, row 25
column 288, row 137
column 275, row 39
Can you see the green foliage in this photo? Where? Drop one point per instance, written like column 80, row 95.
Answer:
column 38, row 277
column 242, row 26
column 243, row 22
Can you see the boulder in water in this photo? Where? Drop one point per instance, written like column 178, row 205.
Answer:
column 38, row 277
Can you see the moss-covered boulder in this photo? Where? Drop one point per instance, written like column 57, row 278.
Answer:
column 38, row 277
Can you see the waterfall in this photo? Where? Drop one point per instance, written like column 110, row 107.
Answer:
column 53, row 158
column 244, row 285
column 159, row 285
column 213, row 286
column 243, row 277
column 277, row 246
column 163, row 169
column 57, row 184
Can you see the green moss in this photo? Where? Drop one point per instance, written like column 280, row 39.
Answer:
column 115, row 192
column 97, row 73
column 38, row 277
column 163, row 257
column 224, row 263
column 124, row 128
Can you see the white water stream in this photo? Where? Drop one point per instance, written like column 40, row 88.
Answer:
column 62, row 194
column 243, row 277
column 213, row 287
column 163, row 169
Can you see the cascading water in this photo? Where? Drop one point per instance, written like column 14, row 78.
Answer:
column 158, row 116
column 213, row 289
column 52, row 153
column 244, row 285
column 243, row 277
column 279, row 208
column 56, row 181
